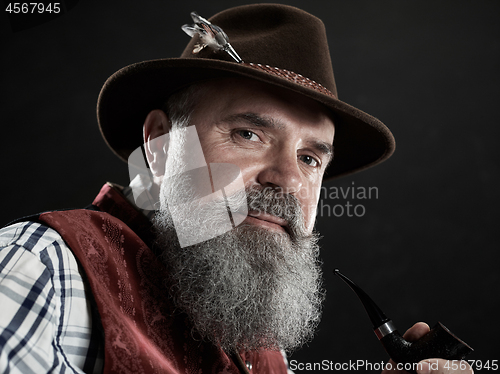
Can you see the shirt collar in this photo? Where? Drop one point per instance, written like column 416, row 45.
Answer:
column 137, row 193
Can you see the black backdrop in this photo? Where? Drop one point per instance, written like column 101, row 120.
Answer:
column 426, row 246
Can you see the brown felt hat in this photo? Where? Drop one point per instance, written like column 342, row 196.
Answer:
column 280, row 45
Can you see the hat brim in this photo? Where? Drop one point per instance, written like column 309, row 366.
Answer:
column 361, row 141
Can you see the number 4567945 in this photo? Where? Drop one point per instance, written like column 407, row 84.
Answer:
column 475, row 365
column 17, row 8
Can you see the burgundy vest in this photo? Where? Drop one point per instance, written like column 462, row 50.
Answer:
column 141, row 332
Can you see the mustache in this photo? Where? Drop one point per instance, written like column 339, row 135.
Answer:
column 255, row 199
column 272, row 201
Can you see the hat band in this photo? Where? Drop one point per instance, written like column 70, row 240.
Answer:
column 291, row 76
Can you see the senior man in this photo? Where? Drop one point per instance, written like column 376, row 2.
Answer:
column 122, row 287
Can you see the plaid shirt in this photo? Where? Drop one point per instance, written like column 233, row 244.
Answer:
column 46, row 322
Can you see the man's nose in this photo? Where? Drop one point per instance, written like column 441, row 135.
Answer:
column 282, row 172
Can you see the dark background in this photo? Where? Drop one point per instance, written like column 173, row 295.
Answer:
column 425, row 249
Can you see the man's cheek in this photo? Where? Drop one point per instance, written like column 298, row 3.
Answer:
column 309, row 212
column 309, row 203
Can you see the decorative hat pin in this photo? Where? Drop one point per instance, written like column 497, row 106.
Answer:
column 211, row 36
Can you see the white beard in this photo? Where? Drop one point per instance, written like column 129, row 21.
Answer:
column 250, row 288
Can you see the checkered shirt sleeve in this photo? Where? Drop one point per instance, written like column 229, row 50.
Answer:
column 46, row 318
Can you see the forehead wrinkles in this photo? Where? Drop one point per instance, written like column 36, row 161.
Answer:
column 227, row 92
column 229, row 96
column 216, row 98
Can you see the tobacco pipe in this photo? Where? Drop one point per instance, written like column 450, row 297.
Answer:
column 439, row 342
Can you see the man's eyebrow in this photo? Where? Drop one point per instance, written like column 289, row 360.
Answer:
column 255, row 119
column 324, row 148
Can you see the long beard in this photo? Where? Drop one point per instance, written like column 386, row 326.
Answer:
column 249, row 288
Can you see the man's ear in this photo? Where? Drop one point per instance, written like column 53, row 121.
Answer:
column 156, row 125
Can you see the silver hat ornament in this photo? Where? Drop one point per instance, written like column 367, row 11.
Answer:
column 211, row 36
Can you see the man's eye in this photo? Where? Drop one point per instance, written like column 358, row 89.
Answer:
column 309, row 160
column 248, row 135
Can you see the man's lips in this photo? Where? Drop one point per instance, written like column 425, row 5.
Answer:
column 266, row 220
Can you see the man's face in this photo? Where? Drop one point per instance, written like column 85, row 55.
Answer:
column 278, row 139
column 259, row 284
